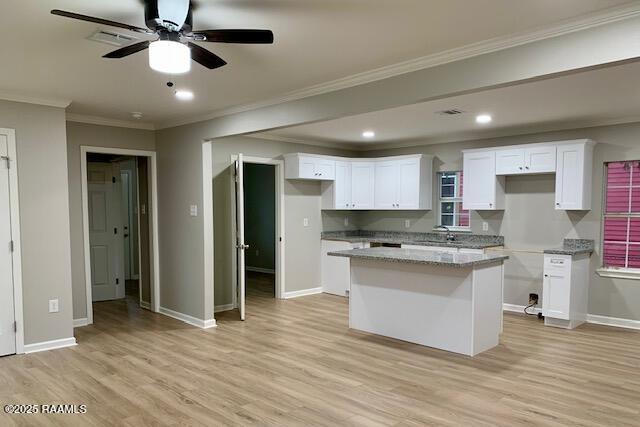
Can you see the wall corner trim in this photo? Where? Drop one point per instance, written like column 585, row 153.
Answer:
column 194, row 321
column 302, row 293
column 50, row 345
column 77, row 323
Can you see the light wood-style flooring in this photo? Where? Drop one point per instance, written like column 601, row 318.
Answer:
column 296, row 363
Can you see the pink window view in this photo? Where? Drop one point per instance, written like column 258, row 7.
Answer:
column 621, row 246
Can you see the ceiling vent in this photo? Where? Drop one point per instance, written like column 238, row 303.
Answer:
column 452, row 112
column 112, row 38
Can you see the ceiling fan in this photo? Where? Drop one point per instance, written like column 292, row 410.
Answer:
column 172, row 52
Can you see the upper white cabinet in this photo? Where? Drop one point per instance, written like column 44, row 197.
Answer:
column 515, row 161
column 483, row 190
column 573, row 176
column 571, row 161
column 403, row 182
column 302, row 166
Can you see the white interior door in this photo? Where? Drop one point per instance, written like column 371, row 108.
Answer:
column 240, row 245
column 7, row 313
column 105, row 232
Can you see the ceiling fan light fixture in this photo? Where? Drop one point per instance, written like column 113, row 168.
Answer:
column 171, row 57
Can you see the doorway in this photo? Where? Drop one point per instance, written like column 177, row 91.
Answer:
column 258, row 228
column 120, row 227
column 11, row 322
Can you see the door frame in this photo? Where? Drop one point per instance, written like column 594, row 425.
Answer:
column 16, row 258
column 154, row 247
column 280, row 224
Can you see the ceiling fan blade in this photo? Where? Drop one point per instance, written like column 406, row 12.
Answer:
column 100, row 21
column 127, row 50
column 205, row 58
column 237, row 36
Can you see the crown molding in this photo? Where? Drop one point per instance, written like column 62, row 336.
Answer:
column 105, row 121
column 48, row 102
column 584, row 22
column 347, row 146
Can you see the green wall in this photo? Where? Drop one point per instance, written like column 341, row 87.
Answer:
column 260, row 215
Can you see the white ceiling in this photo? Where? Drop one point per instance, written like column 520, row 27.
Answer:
column 585, row 99
column 316, row 41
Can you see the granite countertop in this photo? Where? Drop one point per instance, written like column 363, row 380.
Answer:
column 463, row 240
column 419, row 256
column 573, row 247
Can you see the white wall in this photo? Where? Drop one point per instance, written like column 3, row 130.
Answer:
column 79, row 134
column 44, row 217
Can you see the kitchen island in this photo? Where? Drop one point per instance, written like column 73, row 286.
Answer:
column 449, row 301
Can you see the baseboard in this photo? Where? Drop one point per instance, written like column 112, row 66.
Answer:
column 514, row 308
column 613, row 321
column 78, row 323
column 302, row 293
column 224, row 307
column 194, row 321
column 261, row 270
column 591, row 318
column 145, row 305
column 49, row 345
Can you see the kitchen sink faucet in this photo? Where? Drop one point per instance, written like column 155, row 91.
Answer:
column 450, row 236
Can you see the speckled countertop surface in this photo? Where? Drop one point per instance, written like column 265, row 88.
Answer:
column 463, row 240
column 573, row 247
column 420, row 256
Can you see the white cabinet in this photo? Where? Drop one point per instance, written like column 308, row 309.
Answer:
column 362, row 185
column 565, row 290
column 335, row 273
column 404, row 183
column 573, row 176
column 300, row 166
column 515, row 161
column 483, row 190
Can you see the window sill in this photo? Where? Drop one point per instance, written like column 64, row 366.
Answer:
column 619, row 273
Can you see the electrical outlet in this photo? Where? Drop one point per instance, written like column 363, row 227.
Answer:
column 305, row 222
column 533, row 299
column 407, row 223
column 53, row 306
column 346, row 221
column 485, row 226
column 193, row 210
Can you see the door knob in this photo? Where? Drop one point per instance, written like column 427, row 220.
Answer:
column 242, row 246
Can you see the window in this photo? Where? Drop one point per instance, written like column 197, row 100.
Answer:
column 621, row 228
column 450, row 201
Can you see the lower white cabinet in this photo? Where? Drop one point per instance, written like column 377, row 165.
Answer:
column 335, row 272
column 565, row 290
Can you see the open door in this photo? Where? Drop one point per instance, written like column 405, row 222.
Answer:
column 240, row 246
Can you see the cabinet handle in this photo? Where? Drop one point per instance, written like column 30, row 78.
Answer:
column 520, row 167
column 546, row 275
column 557, row 204
column 526, row 167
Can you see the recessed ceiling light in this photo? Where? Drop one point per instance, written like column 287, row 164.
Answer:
column 368, row 134
column 184, row 95
column 483, row 119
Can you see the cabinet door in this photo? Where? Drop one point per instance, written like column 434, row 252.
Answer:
column 387, row 185
column 362, row 185
column 325, row 169
column 510, row 162
column 409, row 186
column 335, row 274
column 540, row 159
column 307, row 168
column 556, row 286
column 342, row 186
column 569, row 183
column 479, row 181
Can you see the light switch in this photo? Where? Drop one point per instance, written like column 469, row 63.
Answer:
column 407, row 223
column 193, row 210
column 53, row 306
column 305, row 222
column 485, row 226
